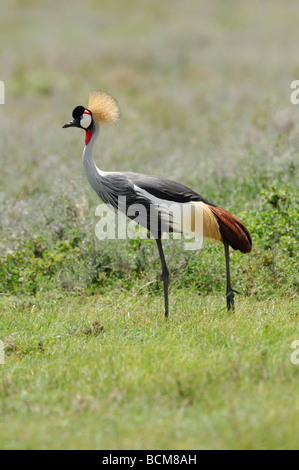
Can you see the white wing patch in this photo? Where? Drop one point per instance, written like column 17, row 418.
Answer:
column 186, row 218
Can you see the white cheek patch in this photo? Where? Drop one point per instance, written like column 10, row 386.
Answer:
column 86, row 120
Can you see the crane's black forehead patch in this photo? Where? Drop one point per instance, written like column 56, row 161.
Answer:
column 78, row 111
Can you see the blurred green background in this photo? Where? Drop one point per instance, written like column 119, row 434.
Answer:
column 203, row 87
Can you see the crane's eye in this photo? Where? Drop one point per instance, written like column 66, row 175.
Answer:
column 86, row 119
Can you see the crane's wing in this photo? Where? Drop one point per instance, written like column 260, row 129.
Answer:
column 165, row 189
column 125, row 192
column 159, row 204
column 162, row 205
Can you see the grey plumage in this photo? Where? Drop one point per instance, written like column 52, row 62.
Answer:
column 111, row 187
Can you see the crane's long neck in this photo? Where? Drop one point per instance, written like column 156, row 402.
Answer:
column 93, row 174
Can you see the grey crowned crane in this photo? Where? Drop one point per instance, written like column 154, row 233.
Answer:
column 154, row 194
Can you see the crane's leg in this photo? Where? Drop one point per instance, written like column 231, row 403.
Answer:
column 164, row 274
column 229, row 290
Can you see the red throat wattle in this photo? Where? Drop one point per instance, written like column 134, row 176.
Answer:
column 88, row 137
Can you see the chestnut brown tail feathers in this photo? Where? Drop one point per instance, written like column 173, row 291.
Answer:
column 232, row 230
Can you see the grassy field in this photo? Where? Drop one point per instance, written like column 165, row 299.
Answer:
column 90, row 361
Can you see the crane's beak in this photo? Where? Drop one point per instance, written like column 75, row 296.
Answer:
column 70, row 124
column 73, row 123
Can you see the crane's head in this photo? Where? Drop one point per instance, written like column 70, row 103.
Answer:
column 83, row 119
column 102, row 108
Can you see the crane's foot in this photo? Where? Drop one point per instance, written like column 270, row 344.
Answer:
column 230, row 299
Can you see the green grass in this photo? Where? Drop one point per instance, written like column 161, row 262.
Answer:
column 110, row 372
column 204, row 92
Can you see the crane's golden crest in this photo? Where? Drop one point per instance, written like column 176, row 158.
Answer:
column 104, row 108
